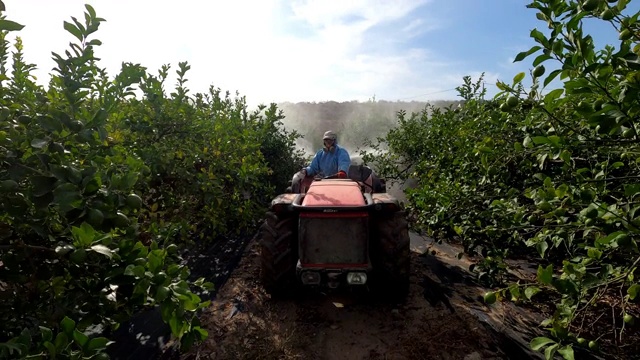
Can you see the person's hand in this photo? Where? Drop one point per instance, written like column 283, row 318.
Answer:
column 342, row 174
column 304, row 171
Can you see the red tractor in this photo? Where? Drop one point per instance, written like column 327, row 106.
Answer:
column 329, row 232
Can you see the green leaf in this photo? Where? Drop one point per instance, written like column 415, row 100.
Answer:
column 103, row 250
column 594, row 253
column 521, row 56
column 633, row 291
column 567, row 352
column 631, row 189
column 565, row 286
column 607, row 240
column 58, row 171
column 67, row 325
column 539, row 37
column 565, row 155
column 552, row 76
column 91, row 11
column 94, row 42
column 91, row 185
column 539, row 140
column 176, row 326
column 84, row 235
column 80, row 338
column 51, row 348
column 134, row 270
column 550, row 351
column 545, row 275
column 540, row 59
column 542, row 247
column 67, row 197
column 518, row 78
column 8, row 25
column 62, row 340
column 99, row 343
column 73, row 30
column 207, row 286
column 50, row 124
column 202, row 333
column 39, row 143
column 156, row 260
column 130, row 179
column 531, row 291
column 167, row 310
column 42, row 185
column 539, row 342
column 518, row 146
column 47, row 334
column 553, row 96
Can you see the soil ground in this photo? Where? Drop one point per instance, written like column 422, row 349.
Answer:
column 443, row 317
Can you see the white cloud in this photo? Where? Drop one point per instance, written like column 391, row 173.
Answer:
column 268, row 50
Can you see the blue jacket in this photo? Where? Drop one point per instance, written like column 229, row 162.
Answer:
column 328, row 163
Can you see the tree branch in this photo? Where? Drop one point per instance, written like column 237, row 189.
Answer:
column 25, row 246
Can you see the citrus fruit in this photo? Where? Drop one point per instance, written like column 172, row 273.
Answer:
column 134, row 201
column 607, row 14
column 628, row 319
column 121, row 220
column 490, row 297
column 590, row 5
column 95, row 217
column 538, row 71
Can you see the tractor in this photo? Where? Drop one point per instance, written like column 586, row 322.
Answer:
column 332, row 233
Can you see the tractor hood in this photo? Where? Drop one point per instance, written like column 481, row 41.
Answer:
column 334, row 192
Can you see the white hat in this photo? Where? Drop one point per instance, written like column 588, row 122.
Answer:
column 329, row 135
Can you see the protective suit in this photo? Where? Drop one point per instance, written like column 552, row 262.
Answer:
column 330, row 161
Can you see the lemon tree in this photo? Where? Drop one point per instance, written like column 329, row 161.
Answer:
column 100, row 189
column 546, row 173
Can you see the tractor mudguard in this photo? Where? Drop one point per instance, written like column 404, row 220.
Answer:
column 283, row 202
column 387, row 202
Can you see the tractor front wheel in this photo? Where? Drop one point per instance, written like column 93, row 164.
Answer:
column 394, row 254
column 278, row 252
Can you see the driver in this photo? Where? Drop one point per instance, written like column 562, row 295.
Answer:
column 331, row 160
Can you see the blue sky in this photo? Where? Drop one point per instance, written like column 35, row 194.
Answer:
column 302, row 50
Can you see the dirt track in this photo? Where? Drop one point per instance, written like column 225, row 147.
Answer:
column 443, row 318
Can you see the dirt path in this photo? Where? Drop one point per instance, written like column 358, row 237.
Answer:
column 443, row 318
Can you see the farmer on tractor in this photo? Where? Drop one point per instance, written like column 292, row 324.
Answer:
column 330, row 160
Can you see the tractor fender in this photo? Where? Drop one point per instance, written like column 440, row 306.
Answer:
column 283, row 202
column 387, row 202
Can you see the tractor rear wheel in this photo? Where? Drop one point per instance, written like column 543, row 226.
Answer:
column 278, row 252
column 394, row 255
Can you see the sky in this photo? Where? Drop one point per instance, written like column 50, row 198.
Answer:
column 301, row 50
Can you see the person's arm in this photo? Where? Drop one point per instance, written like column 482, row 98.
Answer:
column 344, row 161
column 314, row 168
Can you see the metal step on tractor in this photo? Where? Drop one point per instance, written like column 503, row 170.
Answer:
column 336, row 233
